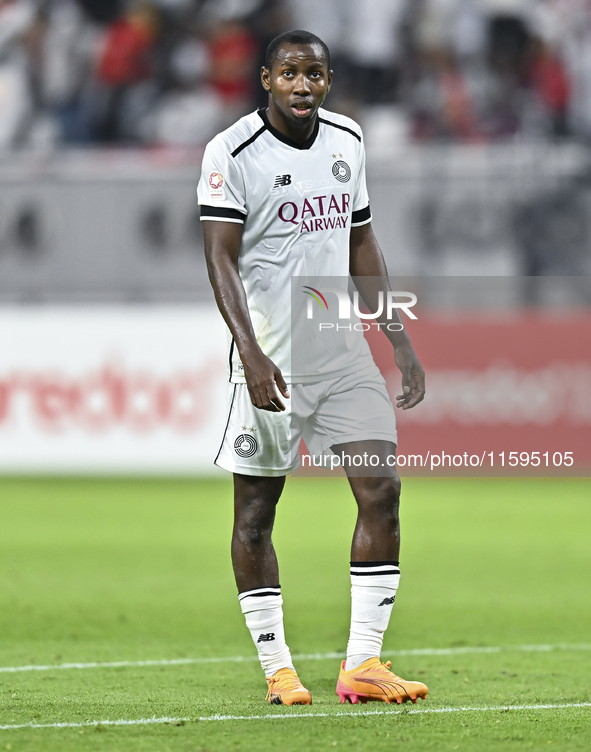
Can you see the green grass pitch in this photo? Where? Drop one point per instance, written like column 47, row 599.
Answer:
column 98, row 570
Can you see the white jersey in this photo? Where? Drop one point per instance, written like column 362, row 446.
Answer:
column 298, row 203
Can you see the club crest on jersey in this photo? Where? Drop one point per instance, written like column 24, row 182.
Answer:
column 216, row 186
column 245, row 446
column 341, row 171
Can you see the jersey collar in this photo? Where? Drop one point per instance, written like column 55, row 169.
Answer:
column 308, row 143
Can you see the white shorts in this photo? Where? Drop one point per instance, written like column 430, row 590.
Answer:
column 341, row 410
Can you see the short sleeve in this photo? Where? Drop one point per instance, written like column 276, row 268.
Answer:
column 361, row 211
column 220, row 192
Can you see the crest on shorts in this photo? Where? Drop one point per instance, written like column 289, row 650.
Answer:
column 245, row 446
column 341, row 171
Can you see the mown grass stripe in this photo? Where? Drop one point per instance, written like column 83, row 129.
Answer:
column 295, row 716
column 301, row 657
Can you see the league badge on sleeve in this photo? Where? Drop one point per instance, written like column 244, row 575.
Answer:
column 216, row 186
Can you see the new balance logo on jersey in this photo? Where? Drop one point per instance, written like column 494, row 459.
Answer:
column 282, row 180
column 387, row 601
column 269, row 637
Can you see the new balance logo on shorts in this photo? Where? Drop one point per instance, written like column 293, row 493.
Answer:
column 269, row 637
column 387, row 601
column 282, row 180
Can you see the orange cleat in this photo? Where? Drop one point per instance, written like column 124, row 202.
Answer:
column 285, row 688
column 373, row 680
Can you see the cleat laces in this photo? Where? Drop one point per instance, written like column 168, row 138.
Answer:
column 384, row 667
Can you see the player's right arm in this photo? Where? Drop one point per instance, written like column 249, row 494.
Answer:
column 263, row 378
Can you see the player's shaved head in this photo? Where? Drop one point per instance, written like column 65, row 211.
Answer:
column 296, row 37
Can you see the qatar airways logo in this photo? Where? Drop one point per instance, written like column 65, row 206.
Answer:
column 317, row 213
column 388, row 303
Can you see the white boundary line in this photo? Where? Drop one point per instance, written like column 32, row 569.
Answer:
column 302, row 657
column 295, row 716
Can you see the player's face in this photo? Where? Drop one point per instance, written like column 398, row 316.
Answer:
column 298, row 83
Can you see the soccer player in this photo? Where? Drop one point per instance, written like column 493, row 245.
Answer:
column 283, row 195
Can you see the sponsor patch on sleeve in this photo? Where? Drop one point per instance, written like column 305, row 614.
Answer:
column 216, row 186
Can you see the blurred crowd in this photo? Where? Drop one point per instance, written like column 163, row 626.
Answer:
column 156, row 72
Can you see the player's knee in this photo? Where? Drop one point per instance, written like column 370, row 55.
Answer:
column 381, row 497
column 388, row 498
column 255, row 536
column 254, row 523
column 385, row 490
column 393, row 488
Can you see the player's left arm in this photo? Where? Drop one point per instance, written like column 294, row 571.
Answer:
column 368, row 268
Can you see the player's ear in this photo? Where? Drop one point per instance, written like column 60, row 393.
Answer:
column 329, row 79
column 266, row 78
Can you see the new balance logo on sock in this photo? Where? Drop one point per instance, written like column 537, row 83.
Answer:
column 387, row 601
column 269, row 637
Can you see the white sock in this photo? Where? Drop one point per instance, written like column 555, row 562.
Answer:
column 373, row 590
column 262, row 609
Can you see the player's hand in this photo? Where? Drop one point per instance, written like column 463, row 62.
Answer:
column 265, row 382
column 413, row 377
